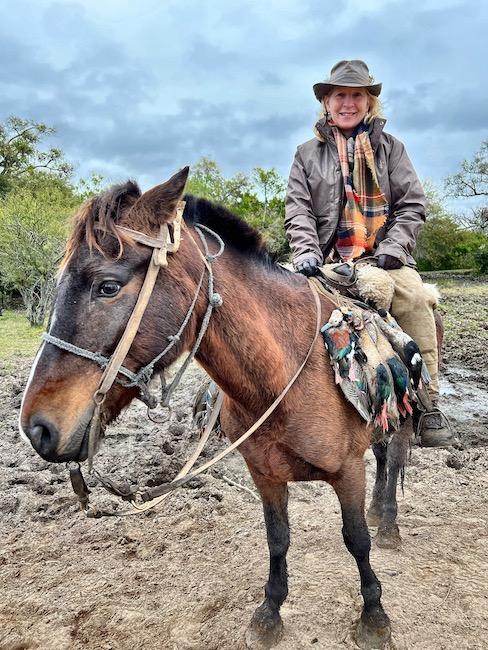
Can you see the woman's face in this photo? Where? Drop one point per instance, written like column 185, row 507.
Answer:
column 347, row 107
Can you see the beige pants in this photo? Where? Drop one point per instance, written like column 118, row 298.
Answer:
column 412, row 307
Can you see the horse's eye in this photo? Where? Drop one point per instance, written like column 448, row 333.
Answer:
column 109, row 289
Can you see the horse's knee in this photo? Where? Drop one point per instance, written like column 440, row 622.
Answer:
column 380, row 450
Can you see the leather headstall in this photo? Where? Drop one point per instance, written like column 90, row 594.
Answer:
column 162, row 245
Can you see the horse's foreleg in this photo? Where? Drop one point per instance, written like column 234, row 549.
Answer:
column 388, row 535
column 266, row 627
column 373, row 629
column 375, row 511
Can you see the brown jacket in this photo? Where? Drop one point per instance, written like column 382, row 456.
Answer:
column 315, row 196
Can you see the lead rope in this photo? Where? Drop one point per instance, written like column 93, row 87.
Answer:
column 153, row 497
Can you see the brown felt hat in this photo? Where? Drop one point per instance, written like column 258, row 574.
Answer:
column 354, row 74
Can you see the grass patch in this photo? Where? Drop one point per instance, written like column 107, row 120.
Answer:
column 464, row 309
column 453, row 289
column 17, row 337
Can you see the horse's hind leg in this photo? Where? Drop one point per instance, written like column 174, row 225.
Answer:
column 373, row 628
column 388, row 535
column 266, row 627
column 375, row 510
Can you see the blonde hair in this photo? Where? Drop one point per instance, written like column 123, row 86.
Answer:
column 375, row 108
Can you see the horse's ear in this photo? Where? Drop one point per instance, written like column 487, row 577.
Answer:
column 176, row 184
column 159, row 203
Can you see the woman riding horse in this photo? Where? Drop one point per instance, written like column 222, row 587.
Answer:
column 352, row 192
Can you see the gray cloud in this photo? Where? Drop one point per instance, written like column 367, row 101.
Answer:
column 141, row 91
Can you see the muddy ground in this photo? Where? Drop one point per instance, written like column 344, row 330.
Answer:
column 189, row 576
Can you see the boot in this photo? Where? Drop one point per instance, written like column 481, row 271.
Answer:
column 434, row 430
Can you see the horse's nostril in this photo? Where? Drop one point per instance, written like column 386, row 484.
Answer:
column 40, row 436
column 43, row 440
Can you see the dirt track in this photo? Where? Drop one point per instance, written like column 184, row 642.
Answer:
column 189, row 576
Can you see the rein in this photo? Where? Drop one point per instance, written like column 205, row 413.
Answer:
column 150, row 498
column 113, row 366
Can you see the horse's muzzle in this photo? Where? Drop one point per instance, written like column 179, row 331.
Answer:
column 46, row 440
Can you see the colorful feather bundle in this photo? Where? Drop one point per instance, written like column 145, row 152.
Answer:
column 376, row 364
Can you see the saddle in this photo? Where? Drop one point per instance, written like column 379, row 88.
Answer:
column 361, row 280
column 376, row 364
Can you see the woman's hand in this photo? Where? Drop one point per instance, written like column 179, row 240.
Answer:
column 388, row 262
column 308, row 266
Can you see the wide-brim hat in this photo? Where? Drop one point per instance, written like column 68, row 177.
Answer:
column 353, row 74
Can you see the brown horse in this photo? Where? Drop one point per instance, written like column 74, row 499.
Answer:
column 254, row 344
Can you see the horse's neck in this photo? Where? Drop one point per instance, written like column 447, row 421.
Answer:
column 258, row 337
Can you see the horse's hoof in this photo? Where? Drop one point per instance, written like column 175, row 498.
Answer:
column 373, row 516
column 373, row 631
column 388, row 537
column 265, row 630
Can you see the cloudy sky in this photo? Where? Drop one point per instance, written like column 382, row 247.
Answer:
column 140, row 89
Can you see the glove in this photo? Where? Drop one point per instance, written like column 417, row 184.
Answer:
column 388, row 262
column 308, row 267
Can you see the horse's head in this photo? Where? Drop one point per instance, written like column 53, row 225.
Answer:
column 99, row 284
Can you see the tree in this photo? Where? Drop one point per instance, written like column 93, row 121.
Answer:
column 207, row 181
column 20, row 151
column 272, row 186
column 472, row 180
column 443, row 243
column 269, row 214
column 33, row 218
column 84, row 189
column 242, row 195
column 479, row 219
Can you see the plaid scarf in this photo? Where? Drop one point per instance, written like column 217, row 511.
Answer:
column 366, row 207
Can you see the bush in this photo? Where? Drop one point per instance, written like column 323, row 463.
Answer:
column 481, row 259
column 444, row 245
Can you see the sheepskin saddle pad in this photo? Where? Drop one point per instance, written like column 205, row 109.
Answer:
column 362, row 280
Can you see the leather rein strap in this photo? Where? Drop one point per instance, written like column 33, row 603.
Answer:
column 153, row 497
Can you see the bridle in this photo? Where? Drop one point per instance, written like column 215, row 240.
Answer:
column 168, row 241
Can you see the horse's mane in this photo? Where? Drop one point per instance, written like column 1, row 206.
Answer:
column 235, row 232
column 98, row 216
